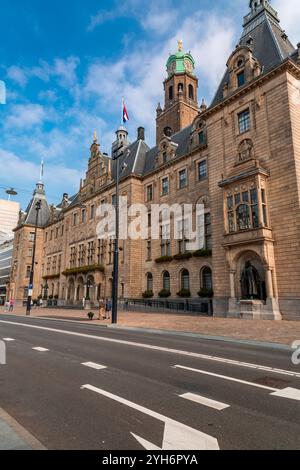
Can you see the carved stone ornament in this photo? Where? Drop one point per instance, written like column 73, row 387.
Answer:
column 245, row 151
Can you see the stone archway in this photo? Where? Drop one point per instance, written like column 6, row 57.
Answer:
column 91, row 289
column 80, row 289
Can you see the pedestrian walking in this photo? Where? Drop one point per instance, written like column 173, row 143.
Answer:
column 7, row 305
column 102, row 315
column 11, row 305
column 108, row 309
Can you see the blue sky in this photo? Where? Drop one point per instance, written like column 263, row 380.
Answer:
column 67, row 64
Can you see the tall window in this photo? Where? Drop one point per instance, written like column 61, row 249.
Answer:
column 207, row 279
column 72, row 257
column 149, row 250
column 149, row 282
column 166, row 281
column 54, row 262
column 31, row 236
column 28, row 270
column 244, row 121
column 264, row 207
column 182, row 179
column 185, row 280
column 92, row 212
column 165, row 236
column 207, row 223
column 165, row 186
column 83, row 216
column 81, row 255
column 201, row 137
column 241, row 79
column 242, row 211
column 75, row 219
column 191, row 92
column 91, row 252
column 170, row 93
column 150, row 193
column 101, row 252
column 202, row 170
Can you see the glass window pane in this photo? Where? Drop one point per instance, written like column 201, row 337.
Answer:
column 243, row 217
column 245, row 196
column 230, row 203
column 237, row 199
column 231, row 224
column 244, row 121
column 253, row 194
column 202, row 170
column 255, row 216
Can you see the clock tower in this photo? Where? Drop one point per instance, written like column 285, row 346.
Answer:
column 181, row 86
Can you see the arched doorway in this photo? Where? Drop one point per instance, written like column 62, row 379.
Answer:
column 71, row 290
column 90, row 289
column 185, row 280
column 80, row 289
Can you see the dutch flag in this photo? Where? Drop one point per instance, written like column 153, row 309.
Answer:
column 125, row 113
column 2, row 92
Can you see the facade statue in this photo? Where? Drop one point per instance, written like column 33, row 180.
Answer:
column 250, row 282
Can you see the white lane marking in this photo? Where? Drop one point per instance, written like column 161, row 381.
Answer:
column 8, row 340
column 160, row 348
column 93, row 365
column 40, row 349
column 291, row 393
column 225, row 377
column 216, row 405
column 177, row 436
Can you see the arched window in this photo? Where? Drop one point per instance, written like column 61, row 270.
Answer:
column 149, row 282
column 243, row 217
column 166, row 281
column 185, row 279
column 191, row 92
column 206, row 278
column 170, row 93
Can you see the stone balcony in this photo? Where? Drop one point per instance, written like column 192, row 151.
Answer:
column 258, row 235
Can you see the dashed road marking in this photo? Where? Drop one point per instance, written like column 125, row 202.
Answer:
column 39, row 349
column 216, row 405
column 8, row 340
column 93, row 365
column 159, row 348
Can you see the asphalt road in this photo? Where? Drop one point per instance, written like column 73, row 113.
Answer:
column 147, row 391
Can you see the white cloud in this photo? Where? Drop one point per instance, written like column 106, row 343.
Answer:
column 24, row 116
column 18, row 75
column 289, row 14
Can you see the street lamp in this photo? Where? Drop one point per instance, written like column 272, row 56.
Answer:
column 114, row 316
column 45, row 287
column 30, row 287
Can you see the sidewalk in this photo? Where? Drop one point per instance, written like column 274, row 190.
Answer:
column 282, row 332
column 14, row 437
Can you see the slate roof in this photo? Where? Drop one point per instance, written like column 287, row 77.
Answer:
column 44, row 214
column 269, row 45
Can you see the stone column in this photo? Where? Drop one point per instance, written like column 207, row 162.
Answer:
column 232, row 284
column 75, row 293
column 269, row 284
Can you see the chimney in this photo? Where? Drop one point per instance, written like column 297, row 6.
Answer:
column 141, row 133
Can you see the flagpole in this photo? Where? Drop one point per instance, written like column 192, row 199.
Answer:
column 122, row 120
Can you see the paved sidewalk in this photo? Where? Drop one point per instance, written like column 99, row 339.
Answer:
column 14, row 437
column 282, row 332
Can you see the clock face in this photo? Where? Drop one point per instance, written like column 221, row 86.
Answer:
column 172, row 68
column 188, row 65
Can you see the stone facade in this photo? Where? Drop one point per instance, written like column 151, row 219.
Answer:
column 240, row 157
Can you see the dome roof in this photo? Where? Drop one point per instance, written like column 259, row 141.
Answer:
column 181, row 62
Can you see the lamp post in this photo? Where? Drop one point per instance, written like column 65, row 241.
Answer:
column 45, row 287
column 114, row 316
column 30, row 287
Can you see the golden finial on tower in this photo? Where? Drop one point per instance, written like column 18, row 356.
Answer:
column 180, row 45
column 95, row 136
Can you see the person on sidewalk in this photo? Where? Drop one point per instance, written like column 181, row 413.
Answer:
column 108, row 309
column 7, row 305
column 102, row 315
column 11, row 305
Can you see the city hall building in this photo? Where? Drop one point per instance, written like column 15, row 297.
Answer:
column 239, row 156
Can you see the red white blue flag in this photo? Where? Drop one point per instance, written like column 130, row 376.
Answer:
column 125, row 113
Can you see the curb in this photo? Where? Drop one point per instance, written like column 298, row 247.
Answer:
column 224, row 339
column 17, row 437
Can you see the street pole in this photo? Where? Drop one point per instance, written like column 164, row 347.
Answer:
column 116, row 251
column 30, row 287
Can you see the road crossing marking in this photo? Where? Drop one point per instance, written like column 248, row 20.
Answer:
column 177, row 436
column 39, row 349
column 8, row 340
column 93, row 365
column 290, row 393
column 159, row 348
column 216, row 405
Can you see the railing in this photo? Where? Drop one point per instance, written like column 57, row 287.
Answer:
column 202, row 307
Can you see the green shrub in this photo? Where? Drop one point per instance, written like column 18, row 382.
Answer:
column 206, row 293
column 184, row 293
column 164, row 294
column 202, row 253
column 164, row 259
column 148, row 294
column 91, row 315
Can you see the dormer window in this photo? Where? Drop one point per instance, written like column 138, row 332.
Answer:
column 201, row 136
column 241, row 79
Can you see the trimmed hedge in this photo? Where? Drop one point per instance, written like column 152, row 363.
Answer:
column 164, row 259
column 164, row 294
column 148, row 294
column 184, row 293
column 206, row 293
column 202, row 253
